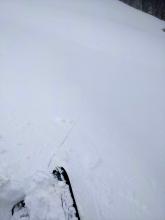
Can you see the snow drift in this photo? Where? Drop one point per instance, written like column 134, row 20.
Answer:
column 82, row 86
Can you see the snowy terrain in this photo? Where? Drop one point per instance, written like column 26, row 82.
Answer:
column 82, row 85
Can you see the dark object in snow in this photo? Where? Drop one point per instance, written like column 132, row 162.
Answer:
column 163, row 29
column 61, row 175
column 18, row 206
column 20, row 210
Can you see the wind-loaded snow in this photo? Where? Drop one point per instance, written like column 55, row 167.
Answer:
column 82, row 85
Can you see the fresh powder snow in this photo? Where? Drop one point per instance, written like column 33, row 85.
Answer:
column 82, row 85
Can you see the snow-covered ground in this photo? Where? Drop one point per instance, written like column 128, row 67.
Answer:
column 82, row 85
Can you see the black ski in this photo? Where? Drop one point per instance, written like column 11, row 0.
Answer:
column 61, row 174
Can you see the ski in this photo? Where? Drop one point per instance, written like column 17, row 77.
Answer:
column 61, row 175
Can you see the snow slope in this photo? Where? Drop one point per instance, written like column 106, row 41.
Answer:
column 82, row 85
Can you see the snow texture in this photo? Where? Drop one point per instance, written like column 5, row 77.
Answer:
column 82, row 86
column 46, row 198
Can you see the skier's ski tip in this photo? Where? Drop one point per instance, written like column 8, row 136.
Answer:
column 61, row 175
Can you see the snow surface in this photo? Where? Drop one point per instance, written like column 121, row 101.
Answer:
column 45, row 199
column 82, row 85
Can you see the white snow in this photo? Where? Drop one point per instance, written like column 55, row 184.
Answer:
column 82, row 85
column 43, row 200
